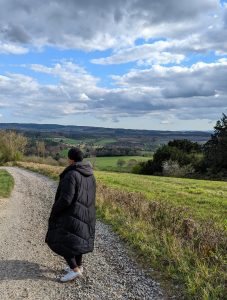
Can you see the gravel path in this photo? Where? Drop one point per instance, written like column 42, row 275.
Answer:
column 29, row 270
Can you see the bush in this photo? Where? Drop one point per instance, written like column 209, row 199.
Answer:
column 178, row 158
column 146, row 168
column 172, row 168
column 131, row 164
column 62, row 162
column 121, row 162
column 36, row 159
column 12, row 146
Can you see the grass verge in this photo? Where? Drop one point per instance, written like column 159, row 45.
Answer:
column 188, row 249
column 6, row 184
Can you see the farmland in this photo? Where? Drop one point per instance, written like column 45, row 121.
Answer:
column 86, row 141
column 176, row 226
column 197, row 195
column 97, row 141
column 111, row 163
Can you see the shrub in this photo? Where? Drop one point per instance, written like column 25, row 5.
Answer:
column 62, row 162
column 121, row 162
column 36, row 159
column 172, row 168
column 181, row 156
column 12, row 146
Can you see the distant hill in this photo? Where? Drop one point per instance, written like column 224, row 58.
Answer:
column 101, row 132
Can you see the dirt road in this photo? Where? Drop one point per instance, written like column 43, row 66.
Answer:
column 29, row 270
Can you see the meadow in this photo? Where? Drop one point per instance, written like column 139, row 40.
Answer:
column 6, row 184
column 175, row 226
column 110, row 163
column 196, row 196
column 95, row 142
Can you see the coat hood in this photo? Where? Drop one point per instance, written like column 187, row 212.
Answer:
column 84, row 168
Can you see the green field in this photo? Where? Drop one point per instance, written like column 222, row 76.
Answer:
column 204, row 199
column 103, row 142
column 6, row 184
column 66, row 140
column 110, row 163
column 70, row 141
column 175, row 226
column 95, row 142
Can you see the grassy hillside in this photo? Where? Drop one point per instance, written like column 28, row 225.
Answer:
column 6, row 184
column 111, row 163
column 176, row 226
column 203, row 199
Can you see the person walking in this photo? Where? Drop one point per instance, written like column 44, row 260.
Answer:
column 71, row 226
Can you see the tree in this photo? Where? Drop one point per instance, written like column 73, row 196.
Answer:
column 215, row 150
column 40, row 145
column 185, row 145
column 182, row 152
column 166, row 153
column 131, row 163
column 12, row 145
column 121, row 162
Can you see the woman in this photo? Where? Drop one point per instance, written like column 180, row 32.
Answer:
column 71, row 230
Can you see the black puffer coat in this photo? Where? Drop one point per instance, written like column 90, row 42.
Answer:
column 71, row 228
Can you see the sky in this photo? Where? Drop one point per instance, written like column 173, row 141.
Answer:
column 141, row 64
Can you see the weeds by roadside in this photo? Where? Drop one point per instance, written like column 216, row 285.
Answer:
column 6, row 184
column 189, row 252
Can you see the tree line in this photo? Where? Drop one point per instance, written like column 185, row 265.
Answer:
column 189, row 159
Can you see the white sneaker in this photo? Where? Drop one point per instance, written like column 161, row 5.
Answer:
column 70, row 276
column 67, row 269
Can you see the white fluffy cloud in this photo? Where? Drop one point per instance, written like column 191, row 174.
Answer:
column 192, row 92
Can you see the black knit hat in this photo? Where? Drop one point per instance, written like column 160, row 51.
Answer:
column 75, row 154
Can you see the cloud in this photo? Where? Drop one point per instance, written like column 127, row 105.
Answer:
column 200, row 79
column 178, row 92
column 210, row 35
column 174, row 50
column 145, row 54
column 8, row 48
column 98, row 24
column 25, row 96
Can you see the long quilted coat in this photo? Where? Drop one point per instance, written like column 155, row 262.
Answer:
column 71, row 229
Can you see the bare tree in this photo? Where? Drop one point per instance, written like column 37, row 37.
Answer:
column 41, row 149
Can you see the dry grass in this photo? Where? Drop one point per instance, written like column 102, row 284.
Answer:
column 189, row 252
column 204, row 237
column 48, row 170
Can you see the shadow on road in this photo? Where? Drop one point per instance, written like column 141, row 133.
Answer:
column 21, row 269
